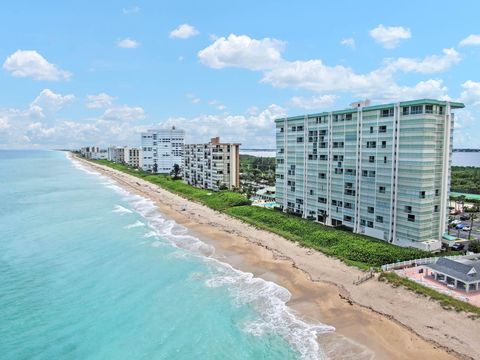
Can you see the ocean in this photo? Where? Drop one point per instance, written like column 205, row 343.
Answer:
column 90, row 271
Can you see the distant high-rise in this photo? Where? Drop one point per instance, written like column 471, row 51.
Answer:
column 213, row 165
column 162, row 149
column 383, row 171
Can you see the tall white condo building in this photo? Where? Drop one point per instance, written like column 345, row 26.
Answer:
column 162, row 149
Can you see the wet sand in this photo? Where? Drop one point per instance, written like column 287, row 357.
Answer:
column 372, row 320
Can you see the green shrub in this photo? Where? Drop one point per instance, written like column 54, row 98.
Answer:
column 352, row 248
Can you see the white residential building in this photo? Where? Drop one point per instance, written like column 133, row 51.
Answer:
column 213, row 165
column 162, row 149
column 94, row 153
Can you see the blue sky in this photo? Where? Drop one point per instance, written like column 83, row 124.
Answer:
column 82, row 72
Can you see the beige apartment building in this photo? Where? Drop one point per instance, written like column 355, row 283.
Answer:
column 212, row 166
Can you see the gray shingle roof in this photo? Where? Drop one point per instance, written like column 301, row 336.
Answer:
column 457, row 269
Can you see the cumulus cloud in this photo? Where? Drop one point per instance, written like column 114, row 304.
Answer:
column 217, row 104
column 314, row 102
column 29, row 63
column 471, row 40
column 430, row 64
column 4, row 123
column 101, row 100
column 348, row 42
column 250, row 129
column 243, row 52
column 124, row 113
column 51, row 101
column 128, row 43
column 193, row 99
column 471, row 93
column 390, row 36
column 184, row 31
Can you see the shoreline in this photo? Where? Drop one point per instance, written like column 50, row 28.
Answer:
column 372, row 320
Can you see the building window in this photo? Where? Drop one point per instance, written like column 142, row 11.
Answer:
column 382, row 129
column 428, row 109
column 299, row 139
column 440, row 110
column 381, row 189
column 422, row 195
column 370, row 224
column 379, row 219
column 299, row 128
column 408, row 209
column 384, row 144
column 347, row 218
column 322, row 175
column 371, row 159
column 384, row 159
column 405, row 110
column 322, row 200
column 362, row 222
column 371, row 144
column 281, row 129
column 371, row 129
column 411, row 218
column 417, row 109
column 348, row 205
column 348, row 117
column 437, row 192
column 364, row 172
column 294, row 128
column 436, row 208
column 370, row 210
column 387, row 112
column 311, row 192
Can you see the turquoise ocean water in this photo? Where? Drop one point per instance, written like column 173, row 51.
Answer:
column 89, row 271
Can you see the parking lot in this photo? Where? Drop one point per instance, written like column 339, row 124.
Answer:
column 461, row 233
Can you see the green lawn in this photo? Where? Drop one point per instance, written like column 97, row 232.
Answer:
column 447, row 302
column 354, row 249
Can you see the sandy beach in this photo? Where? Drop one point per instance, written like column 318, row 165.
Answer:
column 372, row 320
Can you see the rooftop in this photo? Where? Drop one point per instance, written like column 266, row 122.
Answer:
column 454, row 105
column 464, row 270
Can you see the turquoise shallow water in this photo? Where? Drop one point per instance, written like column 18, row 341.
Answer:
column 88, row 271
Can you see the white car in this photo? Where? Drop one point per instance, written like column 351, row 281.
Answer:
column 456, row 222
column 467, row 228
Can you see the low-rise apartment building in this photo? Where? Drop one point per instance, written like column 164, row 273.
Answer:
column 383, row 171
column 125, row 155
column 162, row 149
column 212, row 166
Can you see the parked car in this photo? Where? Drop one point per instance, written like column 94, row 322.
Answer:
column 458, row 246
column 467, row 228
column 459, row 226
column 456, row 222
column 464, row 217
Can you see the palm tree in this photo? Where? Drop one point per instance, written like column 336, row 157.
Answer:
column 473, row 216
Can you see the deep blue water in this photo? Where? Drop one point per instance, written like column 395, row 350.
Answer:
column 88, row 271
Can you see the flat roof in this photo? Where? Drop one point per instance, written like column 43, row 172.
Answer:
column 453, row 104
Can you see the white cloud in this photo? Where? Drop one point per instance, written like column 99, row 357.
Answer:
column 471, row 40
column 314, row 102
column 390, row 36
column 50, row 101
column 4, row 123
column 250, row 130
column 242, row 51
column 184, row 31
column 131, row 10
column 128, row 43
column 124, row 113
column 430, row 64
column 428, row 89
column 348, row 42
column 29, row 63
column 471, row 93
column 99, row 101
